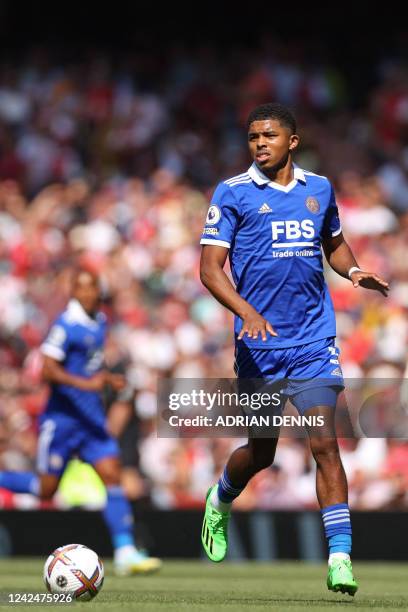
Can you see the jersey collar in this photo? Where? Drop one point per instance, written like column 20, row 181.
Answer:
column 261, row 179
column 77, row 314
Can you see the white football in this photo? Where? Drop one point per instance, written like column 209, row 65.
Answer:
column 74, row 569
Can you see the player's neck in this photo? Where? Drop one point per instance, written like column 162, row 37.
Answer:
column 90, row 313
column 282, row 176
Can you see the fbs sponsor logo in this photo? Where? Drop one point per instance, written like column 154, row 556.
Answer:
column 213, row 215
column 293, row 229
column 265, row 208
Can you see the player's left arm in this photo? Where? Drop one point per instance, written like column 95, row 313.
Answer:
column 341, row 259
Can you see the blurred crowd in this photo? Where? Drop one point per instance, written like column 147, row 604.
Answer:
column 111, row 166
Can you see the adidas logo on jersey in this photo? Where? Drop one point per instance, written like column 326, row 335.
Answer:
column 265, row 208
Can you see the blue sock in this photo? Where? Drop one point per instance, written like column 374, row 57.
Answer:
column 337, row 527
column 20, row 482
column 226, row 491
column 119, row 517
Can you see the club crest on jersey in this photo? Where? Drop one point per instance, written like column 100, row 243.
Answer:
column 213, row 215
column 312, row 204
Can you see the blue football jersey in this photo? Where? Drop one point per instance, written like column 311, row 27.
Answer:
column 274, row 234
column 77, row 341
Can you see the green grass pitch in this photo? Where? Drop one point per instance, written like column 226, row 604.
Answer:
column 194, row 586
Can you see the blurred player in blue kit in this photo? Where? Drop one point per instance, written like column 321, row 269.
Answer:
column 74, row 421
column 273, row 221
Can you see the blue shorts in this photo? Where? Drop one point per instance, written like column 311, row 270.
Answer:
column 311, row 373
column 61, row 438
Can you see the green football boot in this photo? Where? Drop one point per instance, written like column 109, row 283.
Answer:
column 340, row 577
column 214, row 534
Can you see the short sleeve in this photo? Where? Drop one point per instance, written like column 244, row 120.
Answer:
column 56, row 343
column 332, row 226
column 222, row 218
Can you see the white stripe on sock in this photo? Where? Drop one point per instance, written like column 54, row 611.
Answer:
column 334, row 516
column 337, row 522
column 324, row 513
column 228, row 488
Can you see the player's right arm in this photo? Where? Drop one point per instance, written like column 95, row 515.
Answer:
column 54, row 350
column 217, row 282
column 53, row 372
column 221, row 225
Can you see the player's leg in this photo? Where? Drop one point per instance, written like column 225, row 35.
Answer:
column 102, row 452
column 331, row 486
column 20, row 482
column 317, row 365
column 252, row 366
column 117, row 512
column 332, row 494
column 50, row 465
column 243, row 464
column 331, row 481
column 41, row 485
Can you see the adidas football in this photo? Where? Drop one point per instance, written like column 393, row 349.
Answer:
column 74, row 569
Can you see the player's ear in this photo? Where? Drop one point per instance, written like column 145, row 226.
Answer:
column 293, row 142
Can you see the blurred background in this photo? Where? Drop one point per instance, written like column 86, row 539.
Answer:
column 115, row 127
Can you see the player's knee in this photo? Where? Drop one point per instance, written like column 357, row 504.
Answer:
column 110, row 476
column 261, row 461
column 111, row 480
column 48, row 488
column 262, row 454
column 324, row 450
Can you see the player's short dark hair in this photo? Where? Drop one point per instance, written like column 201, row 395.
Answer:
column 273, row 110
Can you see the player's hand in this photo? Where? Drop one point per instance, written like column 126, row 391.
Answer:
column 116, row 381
column 97, row 382
column 369, row 280
column 254, row 324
